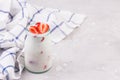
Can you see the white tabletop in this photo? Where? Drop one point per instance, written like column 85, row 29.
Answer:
column 91, row 52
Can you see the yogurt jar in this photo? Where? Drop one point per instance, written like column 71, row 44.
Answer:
column 37, row 53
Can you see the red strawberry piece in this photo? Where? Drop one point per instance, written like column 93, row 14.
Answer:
column 33, row 30
column 42, row 39
column 39, row 28
column 38, row 24
column 43, row 28
column 46, row 28
column 45, row 66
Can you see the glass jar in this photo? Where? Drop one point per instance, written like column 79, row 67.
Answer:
column 37, row 53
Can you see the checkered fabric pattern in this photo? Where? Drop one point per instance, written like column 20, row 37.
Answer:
column 15, row 18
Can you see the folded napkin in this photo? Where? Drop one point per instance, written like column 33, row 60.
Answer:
column 15, row 18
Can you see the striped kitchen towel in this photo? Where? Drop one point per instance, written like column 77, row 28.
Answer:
column 15, row 17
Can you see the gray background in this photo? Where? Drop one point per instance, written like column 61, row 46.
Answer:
column 91, row 52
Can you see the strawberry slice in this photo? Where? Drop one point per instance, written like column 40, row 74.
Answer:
column 46, row 28
column 33, row 30
column 43, row 28
column 39, row 28
column 38, row 24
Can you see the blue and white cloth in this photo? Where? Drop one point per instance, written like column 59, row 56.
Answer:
column 15, row 18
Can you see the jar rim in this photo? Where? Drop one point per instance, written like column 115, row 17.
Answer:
column 38, row 35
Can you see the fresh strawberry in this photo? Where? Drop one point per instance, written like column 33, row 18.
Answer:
column 38, row 24
column 33, row 30
column 43, row 28
column 46, row 28
column 39, row 28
